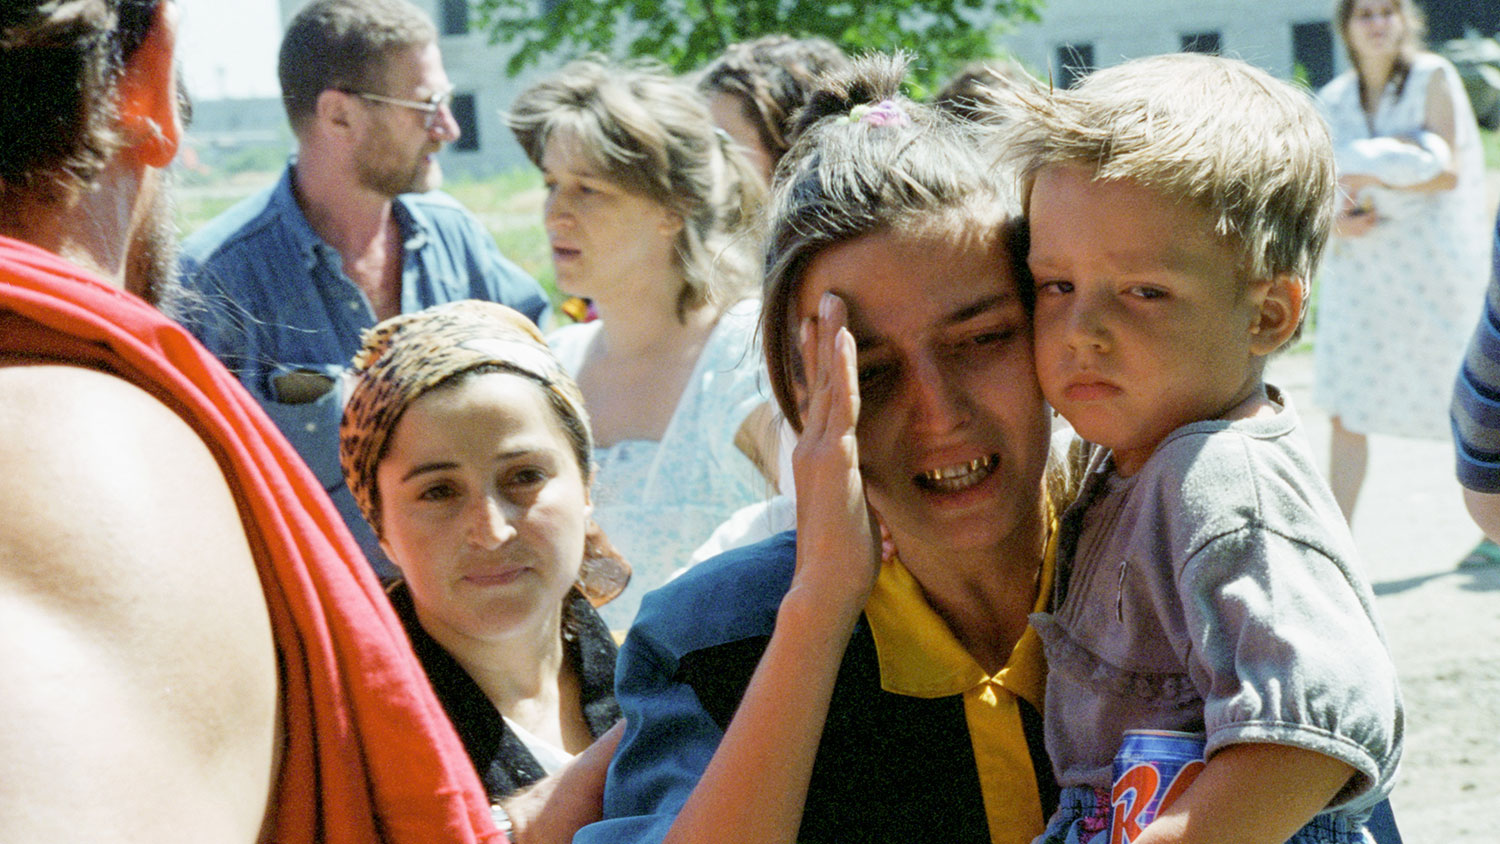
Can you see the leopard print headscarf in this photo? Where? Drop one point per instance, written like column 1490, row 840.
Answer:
column 407, row 355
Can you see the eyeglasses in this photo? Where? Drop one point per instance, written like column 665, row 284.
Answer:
column 431, row 107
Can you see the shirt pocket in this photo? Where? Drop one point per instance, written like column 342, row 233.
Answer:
column 1079, row 663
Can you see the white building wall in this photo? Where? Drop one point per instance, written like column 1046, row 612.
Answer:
column 1258, row 31
column 478, row 68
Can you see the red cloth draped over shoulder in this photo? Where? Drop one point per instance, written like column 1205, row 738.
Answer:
column 369, row 755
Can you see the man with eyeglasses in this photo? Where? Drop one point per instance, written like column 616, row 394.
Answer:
column 192, row 647
column 354, row 232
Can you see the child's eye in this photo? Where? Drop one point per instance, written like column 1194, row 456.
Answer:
column 1147, row 292
column 1054, row 287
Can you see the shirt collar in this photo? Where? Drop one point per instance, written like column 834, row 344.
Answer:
column 415, row 225
column 920, row 657
column 294, row 222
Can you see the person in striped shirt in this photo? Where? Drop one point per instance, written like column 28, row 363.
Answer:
column 1476, row 422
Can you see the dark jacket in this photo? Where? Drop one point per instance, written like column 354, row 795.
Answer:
column 889, row 767
column 503, row 762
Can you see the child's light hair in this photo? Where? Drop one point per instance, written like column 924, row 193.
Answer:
column 1200, row 130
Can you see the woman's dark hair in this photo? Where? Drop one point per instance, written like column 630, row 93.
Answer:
column 771, row 77
column 866, row 159
column 971, row 93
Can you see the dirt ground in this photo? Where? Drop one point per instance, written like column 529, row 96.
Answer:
column 1443, row 625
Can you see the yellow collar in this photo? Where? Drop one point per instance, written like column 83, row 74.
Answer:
column 920, row 657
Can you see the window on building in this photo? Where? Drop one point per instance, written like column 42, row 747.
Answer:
column 1201, row 42
column 455, row 16
column 1071, row 62
column 1312, row 52
column 467, row 116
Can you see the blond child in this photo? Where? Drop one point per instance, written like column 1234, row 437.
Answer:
column 1177, row 207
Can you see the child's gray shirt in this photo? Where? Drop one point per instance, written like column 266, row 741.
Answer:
column 1217, row 590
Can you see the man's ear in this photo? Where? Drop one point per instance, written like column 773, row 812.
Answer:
column 146, row 97
column 1279, row 311
column 333, row 108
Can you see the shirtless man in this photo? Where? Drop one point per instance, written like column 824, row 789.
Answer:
column 192, row 647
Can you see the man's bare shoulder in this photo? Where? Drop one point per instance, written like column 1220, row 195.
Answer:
column 141, row 670
column 97, row 464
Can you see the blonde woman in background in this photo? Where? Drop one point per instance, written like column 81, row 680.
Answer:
column 1405, row 273
column 653, row 214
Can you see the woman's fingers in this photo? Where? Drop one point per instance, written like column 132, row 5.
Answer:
column 835, row 544
column 829, row 370
column 815, row 408
column 842, row 373
column 819, row 336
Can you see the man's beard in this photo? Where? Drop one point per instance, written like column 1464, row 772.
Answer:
column 392, row 181
column 151, row 264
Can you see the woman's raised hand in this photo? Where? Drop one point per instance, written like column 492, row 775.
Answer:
column 756, row 784
column 837, row 548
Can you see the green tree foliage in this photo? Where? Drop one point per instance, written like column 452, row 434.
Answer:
column 686, row 33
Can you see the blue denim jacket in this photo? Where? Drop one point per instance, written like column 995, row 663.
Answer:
column 272, row 298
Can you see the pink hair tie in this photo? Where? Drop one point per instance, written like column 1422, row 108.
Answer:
column 884, row 113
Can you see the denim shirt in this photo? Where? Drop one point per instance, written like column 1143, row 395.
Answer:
column 268, row 297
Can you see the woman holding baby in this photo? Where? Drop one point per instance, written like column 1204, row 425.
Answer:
column 1404, row 278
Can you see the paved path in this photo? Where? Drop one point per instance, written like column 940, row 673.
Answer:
column 1443, row 625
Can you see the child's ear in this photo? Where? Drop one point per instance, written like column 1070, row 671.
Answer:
column 1278, row 311
column 670, row 223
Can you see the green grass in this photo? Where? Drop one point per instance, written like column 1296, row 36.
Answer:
column 200, row 200
column 193, row 210
column 509, row 204
column 1491, row 141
